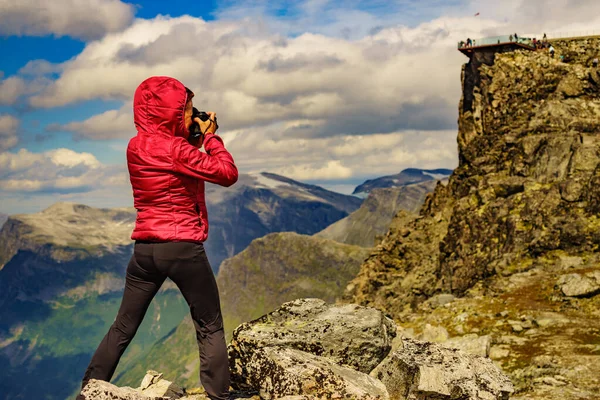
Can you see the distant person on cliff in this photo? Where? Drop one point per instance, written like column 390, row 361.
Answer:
column 167, row 172
column 551, row 50
column 510, row 38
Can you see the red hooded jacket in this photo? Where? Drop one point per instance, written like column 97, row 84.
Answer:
column 167, row 173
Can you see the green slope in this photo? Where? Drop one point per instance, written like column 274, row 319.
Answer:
column 54, row 351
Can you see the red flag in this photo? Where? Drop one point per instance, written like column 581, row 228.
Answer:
column 476, row 14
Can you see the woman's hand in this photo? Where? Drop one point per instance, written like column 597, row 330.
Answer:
column 210, row 125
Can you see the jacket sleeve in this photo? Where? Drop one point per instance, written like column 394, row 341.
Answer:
column 215, row 166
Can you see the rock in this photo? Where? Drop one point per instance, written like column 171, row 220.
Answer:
column 471, row 343
column 547, row 319
column 527, row 324
column 150, row 378
column 350, row 335
column 101, row 390
column 154, row 386
column 279, row 371
column 578, row 285
column 570, row 261
column 497, row 352
column 570, row 86
column 423, row 370
column 550, row 381
column 441, row 299
column 516, row 326
column 436, row 334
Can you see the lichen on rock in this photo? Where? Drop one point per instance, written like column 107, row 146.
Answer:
column 350, row 335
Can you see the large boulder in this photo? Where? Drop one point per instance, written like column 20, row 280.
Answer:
column 280, row 371
column 153, row 387
column 580, row 285
column 428, row 371
column 101, row 390
column 349, row 335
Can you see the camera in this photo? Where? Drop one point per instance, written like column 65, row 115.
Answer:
column 195, row 128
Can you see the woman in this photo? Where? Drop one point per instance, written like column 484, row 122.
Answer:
column 167, row 175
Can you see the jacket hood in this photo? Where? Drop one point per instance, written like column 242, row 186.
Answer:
column 159, row 105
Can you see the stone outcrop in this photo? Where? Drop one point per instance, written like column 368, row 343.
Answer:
column 424, row 370
column 580, row 285
column 311, row 348
column 101, row 390
column 308, row 350
column 350, row 335
column 280, row 371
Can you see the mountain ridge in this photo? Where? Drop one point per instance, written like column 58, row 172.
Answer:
column 405, row 177
column 364, row 226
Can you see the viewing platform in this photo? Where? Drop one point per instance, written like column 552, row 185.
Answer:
column 498, row 44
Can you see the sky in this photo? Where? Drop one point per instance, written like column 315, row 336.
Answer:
column 321, row 91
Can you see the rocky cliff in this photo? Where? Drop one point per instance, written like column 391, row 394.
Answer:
column 516, row 223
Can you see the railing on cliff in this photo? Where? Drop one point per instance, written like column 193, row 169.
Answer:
column 526, row 39
column 496, row 40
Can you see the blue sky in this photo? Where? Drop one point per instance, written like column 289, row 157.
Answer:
column 321, row 91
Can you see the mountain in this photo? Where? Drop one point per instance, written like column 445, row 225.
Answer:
column 406, row 177
column 61, row 284
column 66, row 231
column 261, row 203
column 374, row 216
column 274, row 269
column 62, row 272
column 508, row 249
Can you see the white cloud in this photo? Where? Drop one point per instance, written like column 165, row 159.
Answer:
column 111, row 124
column 55, row 171
column 341, row 86
column 340, row 157
column 355, row 94
column 69, row 158
column 8, row 131
column 332, row 169
column 85, row 19
column 10, row 90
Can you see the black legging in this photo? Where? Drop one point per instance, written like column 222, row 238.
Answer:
column 187, row 265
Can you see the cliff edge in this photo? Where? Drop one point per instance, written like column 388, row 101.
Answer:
column 511, row 242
